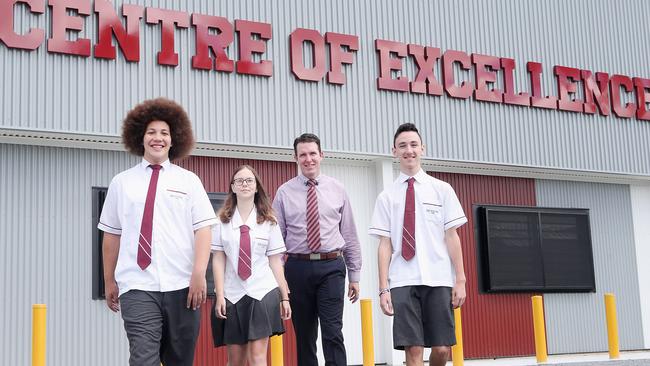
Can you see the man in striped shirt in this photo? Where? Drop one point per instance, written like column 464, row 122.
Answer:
column 315, row 218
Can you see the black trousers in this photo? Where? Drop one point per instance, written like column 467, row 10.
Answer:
column 317, row 292
column 160, row 328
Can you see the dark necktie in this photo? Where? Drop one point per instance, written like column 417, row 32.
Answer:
column 144, row 247
column 408, row 233
column 244, row 265
column 313, row 226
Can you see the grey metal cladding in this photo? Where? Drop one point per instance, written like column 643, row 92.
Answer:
column 576, row 322
column 46, row 91
column 45, row 256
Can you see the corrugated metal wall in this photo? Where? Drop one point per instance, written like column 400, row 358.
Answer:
column 45, row 91
column 45, row 236
column 576, row 322
column 494, row 325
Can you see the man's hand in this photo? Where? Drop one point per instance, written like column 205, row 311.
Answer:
column 198, row 291
column 111, row 291
column 353, row 291
column 386, row 303
column 458, row 294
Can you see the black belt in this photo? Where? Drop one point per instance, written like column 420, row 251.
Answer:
column 316, row 256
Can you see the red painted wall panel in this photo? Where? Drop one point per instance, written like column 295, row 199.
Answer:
column 494, row 325
column 215, row 174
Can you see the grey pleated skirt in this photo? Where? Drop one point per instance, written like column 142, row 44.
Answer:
column 248, row 320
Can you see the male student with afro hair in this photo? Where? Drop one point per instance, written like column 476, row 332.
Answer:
column 157, row 222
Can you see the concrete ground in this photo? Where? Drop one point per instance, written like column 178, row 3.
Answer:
column 627, row 358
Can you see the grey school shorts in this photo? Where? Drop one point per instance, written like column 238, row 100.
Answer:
column 423, row 316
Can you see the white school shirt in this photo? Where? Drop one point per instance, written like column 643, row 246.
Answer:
column 266, row 240
column 436, row 209
column 181, row 207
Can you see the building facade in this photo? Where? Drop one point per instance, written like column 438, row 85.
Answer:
column 537, row 104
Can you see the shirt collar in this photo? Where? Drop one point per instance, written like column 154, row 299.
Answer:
column 420, row 176
column 237, row 221
column 145, row 164
column 304, row 179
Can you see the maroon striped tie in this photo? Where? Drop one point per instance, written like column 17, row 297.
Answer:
column 244, row 264
column 313, row 226
column 408, row 233
column 144, row 243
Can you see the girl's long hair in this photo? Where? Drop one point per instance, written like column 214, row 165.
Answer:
column 261, row 200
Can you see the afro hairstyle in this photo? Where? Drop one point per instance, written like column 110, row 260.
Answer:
column 159, row 109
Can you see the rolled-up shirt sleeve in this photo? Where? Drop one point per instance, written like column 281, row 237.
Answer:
column 278, row 209
column 202, row 212
column 216, row 244
column 276, row 242
column 454, row 215
column 110, row 218
column 380, row 222
column 352, row 247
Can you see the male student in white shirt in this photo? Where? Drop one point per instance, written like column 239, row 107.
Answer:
column 421, row 275
column 157, row 222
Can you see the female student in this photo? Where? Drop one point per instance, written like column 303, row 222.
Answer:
column 252, row 297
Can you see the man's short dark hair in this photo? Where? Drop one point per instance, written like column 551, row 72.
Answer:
column 305, row 137
column 159, row 109
column 406, row 127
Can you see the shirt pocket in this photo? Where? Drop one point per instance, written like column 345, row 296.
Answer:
column 261, row 243
column 433, row 212
column 176, row 198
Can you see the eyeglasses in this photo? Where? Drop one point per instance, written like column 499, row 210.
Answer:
column 240, row 182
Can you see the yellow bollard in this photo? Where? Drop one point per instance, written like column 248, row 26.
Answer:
column 277, row 353
column 457, row 350
column 539, row 329
column 39, row 312
column 366, row 333
column 612, row 325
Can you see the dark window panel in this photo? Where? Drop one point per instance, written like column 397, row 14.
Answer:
column 534, row 249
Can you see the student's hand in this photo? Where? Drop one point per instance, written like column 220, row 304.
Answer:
column 111, row 291
column 285, row 310
column 198, row 291
column 458, row 294
column 220, row 307
column 386, row 303
column 353, row 291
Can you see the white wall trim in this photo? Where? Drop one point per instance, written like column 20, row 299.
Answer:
column 384, row 177
column 640, row 196
column 280, row 153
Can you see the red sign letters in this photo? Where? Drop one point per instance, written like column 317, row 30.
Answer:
column 213, row 36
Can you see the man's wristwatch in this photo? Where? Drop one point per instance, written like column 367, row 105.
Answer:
column 383, row 291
